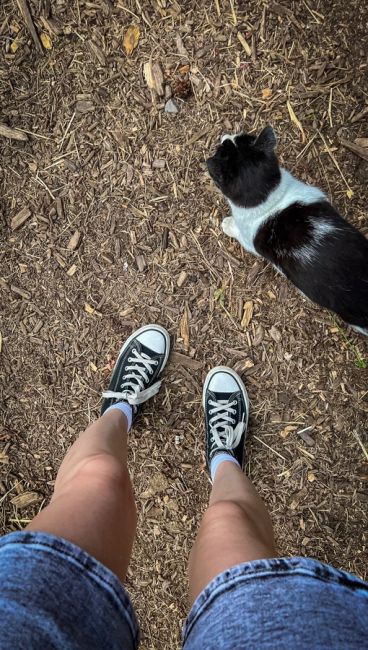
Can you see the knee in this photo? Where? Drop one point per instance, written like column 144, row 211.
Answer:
column 226, row 517
column 101, row 474
column 221, row 517
column 222, row 514
column 105, row 470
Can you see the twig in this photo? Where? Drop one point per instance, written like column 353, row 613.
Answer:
column 270, row 448
column 334, row 160
column 365, row 452
column 355, row 148
column 235, row 20
column 24, row 10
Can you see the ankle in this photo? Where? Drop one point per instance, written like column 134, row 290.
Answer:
column 121, row 411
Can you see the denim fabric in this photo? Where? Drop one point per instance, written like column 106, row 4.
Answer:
column 55, row 596
column 280, row 604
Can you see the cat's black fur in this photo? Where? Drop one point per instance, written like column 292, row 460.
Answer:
column 293, row 226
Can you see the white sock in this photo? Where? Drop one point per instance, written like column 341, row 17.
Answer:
column 218, row 459
column 125, row 408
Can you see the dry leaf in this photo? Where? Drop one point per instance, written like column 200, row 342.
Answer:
column 14, row 46
column 88, row 308
column 248, row 363
column 92, row 366
column 46, row 41
column 184, row 69
column 131, row 38
column 25, row 499
column 184, row 328
column 285, row 432
column 295, row 120
column 219, row 296
column 154, row 77
column 266, row 93
column 311, row 477
column 247, row 314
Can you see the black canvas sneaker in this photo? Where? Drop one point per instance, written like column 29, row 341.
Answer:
column 141, row 360
column 226, row 408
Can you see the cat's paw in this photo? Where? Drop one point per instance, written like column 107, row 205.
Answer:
column 229, row 227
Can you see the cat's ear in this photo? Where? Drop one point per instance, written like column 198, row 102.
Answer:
column 266, row 140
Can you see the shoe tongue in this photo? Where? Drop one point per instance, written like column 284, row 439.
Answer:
column 221, row 396
column 143, row 348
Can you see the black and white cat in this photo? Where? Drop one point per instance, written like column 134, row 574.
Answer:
column 292, row 225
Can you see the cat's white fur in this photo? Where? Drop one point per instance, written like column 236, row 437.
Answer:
column 245, row 222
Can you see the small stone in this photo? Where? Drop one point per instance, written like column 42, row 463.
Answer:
column 171, row 106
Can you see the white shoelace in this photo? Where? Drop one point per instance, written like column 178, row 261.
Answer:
column 229, row 437
column 133, row 392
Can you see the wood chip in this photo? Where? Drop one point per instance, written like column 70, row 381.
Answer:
column 24, row 9
column 184, row 327
column 275, row 334
column 355, row 148
column 359, row 115
column 180, row 46
column 97, row 53
column 182, row 360
column 25, row 499
column 20, row 218
column 21, row 292
column 141, row 262
column 165, row 238
column 306, row 437
column 60, row 260
column 159, row 163
column 181, row 279
column 71, row 270
column 74, row 241
column 84, row 106
column 13, row 134
column 89, row 309
column 246, row 47
column 59, row 208
column 154, row 77
column 362, row 142
column 247, row 314
column 281, row 10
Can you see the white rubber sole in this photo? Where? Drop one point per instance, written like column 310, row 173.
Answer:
column 235, row 376
column 136, row 333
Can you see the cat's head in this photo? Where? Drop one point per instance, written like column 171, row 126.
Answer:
column 245, row 167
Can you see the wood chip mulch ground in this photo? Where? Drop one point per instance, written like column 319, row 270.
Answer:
column 109, row 221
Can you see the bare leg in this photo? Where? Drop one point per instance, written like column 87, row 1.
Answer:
column 93, row 503
column 235, row 528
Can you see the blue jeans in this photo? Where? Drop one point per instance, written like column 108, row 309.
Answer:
column 56, row 596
